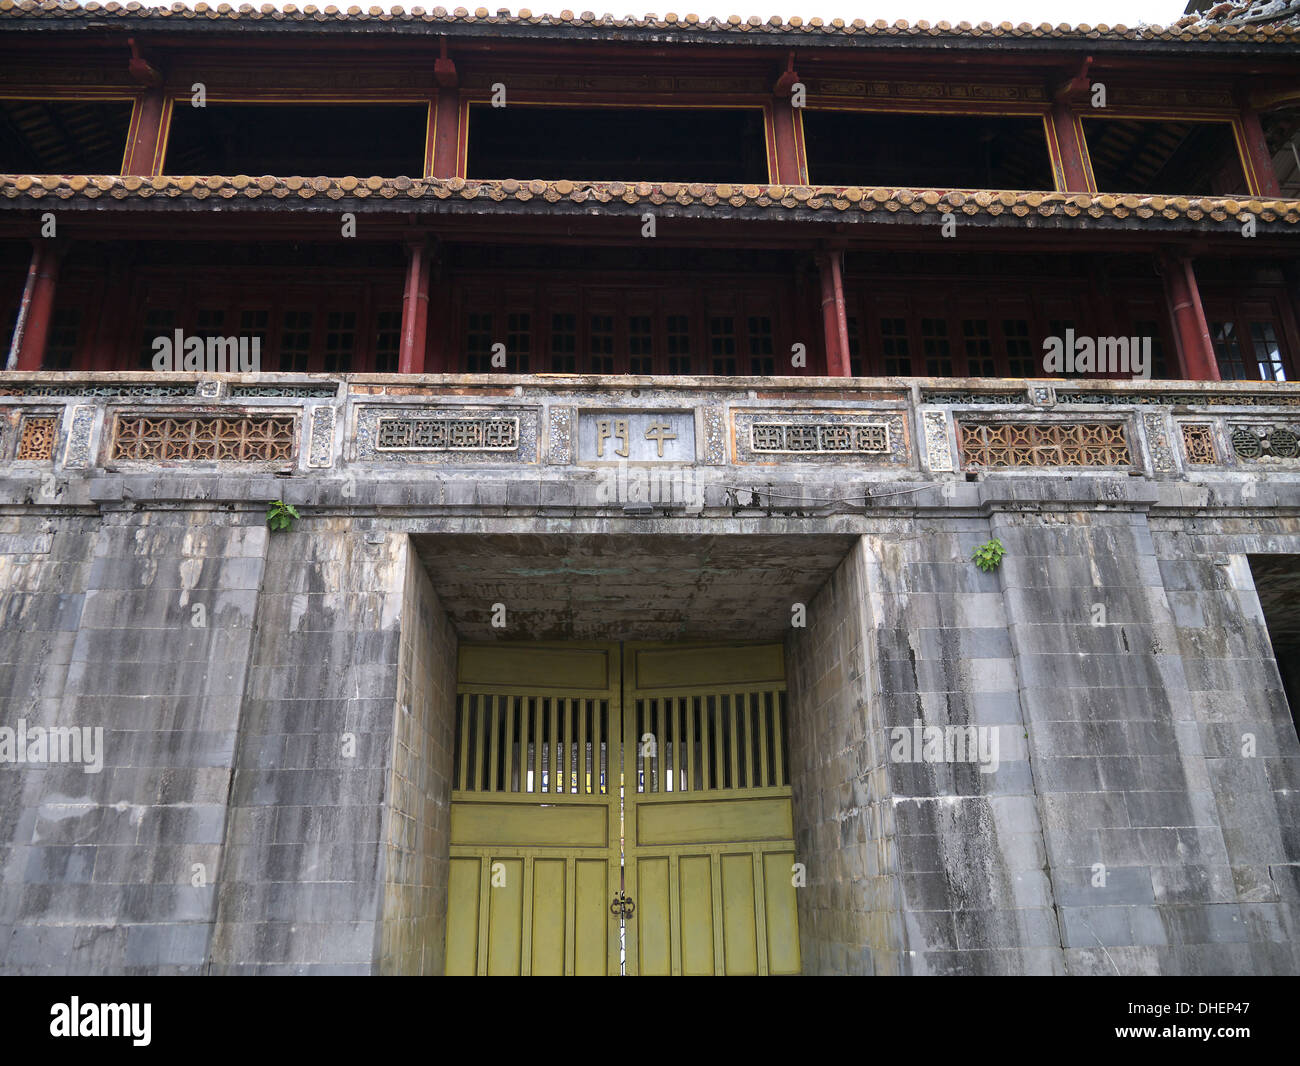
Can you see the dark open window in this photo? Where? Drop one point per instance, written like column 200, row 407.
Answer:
column 617, row 143
column 1150, row 156
column 1248, row 340
column 63, row 136
column 334, row 140
column 927, row 151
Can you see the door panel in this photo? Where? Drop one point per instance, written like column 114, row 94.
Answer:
column 707, row 805
column 586, row 770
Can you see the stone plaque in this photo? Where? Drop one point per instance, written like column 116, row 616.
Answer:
column 636, row 437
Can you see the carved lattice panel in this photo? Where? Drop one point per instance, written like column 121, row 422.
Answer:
column 1198, row 443
column 37, row 436
column 822, row 437
column 1028, row 444
column 182, row 439
column 448, row 434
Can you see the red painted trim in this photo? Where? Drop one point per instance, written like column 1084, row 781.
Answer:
column 1068, row 142
column 785, row 160
column 415, row 310
column 1196, row 358
column 147, row 132
column 446, row 134
column 34, row 314
column 1258, row 159
column 835, row 328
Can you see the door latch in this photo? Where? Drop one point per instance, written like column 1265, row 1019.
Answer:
column 622, row 905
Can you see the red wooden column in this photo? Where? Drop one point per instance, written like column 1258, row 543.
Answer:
column 148, row 120
column 789, row 167
column 442, row 156
column 1257, row 154
column 835, row 327
column 1067, row 129
column 32, row 330
column 415, row 308
column 1069, row 143
column 144, row 152
column 1195, row 352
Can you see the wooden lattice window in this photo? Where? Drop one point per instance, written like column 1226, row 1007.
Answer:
column 1198, row 442
column 37, row 436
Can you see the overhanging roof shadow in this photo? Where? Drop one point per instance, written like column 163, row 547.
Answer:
column 627, row 586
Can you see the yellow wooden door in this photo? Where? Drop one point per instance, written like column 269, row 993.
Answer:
column 589, row 774
column 535, row 847
column 709, row 852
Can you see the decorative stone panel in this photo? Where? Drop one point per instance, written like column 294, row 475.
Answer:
column 452, row 436
column 957, row 397
column 181, row 438
column 984, row 443
column 1110, row 398
column 37, row 435
column 134, row 392
column 860, row 437
column 563, row 420
column 1265, row 443
column 83, row 424
column 1159, row 446
column 321, row 443
column 938, row 447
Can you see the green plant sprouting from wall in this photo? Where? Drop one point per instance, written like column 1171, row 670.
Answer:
column 280, row 515
column 989, row 555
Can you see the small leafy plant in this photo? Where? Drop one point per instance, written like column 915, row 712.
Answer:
column 988, row 556
column 280, row 515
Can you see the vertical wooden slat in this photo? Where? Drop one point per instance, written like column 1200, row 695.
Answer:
column 464, row 742
column 494, row 748
column 555, row 745
column 567, row 785
column 734, row 705
column 763, row 779
column 510, row 744
column 778, row 741
column 480, row 714
column 660, row 741
column 596, row 733
column 676, row 719
column 537, row 718
column 706, row 731
column 692, row 783
column 746, row 744
column 584, row 785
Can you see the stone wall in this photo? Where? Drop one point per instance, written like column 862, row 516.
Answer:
column 416, row 864
column 1129, row 828
column 140, row 625
column 301, row 883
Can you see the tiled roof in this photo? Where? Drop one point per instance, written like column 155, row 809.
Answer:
column 1275, row 13
column 1191, row 28
column 825, row 199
